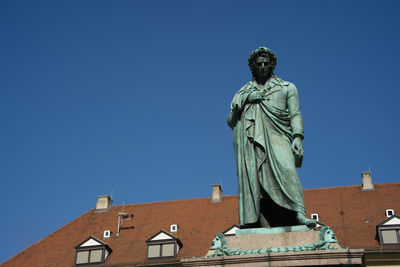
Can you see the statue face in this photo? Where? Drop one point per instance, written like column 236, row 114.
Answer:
column 330, row 236
column 216, row 243
column 262, row 66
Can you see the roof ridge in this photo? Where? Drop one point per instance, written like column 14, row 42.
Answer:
column 230, row 196
column 168, row 201
column 342, row 186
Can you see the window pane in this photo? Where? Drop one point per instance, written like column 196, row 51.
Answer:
column 168, row 250
column 95, row 255
column 153, row 251
column 82, row 257
column 389, row 237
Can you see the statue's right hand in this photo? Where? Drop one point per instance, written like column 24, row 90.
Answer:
column 255, row 96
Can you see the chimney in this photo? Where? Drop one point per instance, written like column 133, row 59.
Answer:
column 103, row 203
column 367, row 184
column 216, row 193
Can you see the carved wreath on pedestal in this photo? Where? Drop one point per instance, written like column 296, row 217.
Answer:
column 325, row 238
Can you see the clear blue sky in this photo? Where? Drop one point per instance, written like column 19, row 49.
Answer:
column 132, row 97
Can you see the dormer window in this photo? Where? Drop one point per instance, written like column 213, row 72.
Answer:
column 162, row 245
column 91, row 251
column 389, row 231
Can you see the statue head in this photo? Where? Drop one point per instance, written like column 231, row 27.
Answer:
column 219, row 242
column 327, row 234
column 262, row 62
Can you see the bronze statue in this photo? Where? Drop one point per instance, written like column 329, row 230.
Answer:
column 268, row 134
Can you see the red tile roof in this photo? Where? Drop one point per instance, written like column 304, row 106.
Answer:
column 352, row 213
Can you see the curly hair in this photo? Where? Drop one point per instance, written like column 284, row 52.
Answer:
column 222, row 237
column 261, row 51
column 324, row 229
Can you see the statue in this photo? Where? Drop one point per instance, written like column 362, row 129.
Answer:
column 268, row 133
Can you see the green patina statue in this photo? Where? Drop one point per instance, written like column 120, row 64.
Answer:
column 268, row 133
column 325, row 239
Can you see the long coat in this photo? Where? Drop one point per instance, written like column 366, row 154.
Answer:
column 263, row 132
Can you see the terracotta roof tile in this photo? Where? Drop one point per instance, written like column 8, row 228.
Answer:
column 353, row 215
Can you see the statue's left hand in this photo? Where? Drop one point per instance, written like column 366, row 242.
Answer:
column 297, row 146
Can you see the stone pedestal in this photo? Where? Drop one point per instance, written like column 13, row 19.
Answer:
column 342, row 257
column 274, row 237
column 279, row 246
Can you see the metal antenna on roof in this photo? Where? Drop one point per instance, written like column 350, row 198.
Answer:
column 220, row 180
column 112, row 191
column 122, row 216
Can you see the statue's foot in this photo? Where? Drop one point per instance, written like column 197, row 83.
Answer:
column 302, row 219
column 249, row 225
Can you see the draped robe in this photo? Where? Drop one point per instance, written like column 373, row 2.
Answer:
column 263, row 132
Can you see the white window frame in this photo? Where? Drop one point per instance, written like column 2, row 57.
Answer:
column 107, row 234
column 161, row 244
column 315, row 215
column 389, row 211
column 174, row 228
